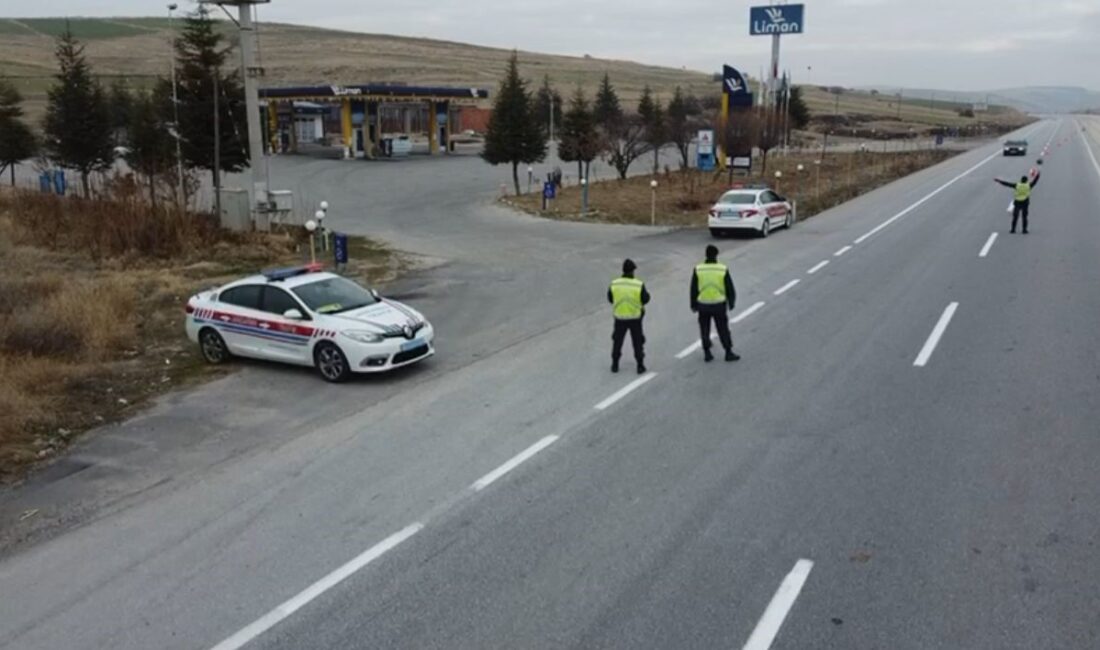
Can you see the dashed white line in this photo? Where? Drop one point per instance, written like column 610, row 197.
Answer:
column 625, row 390
column 988, row 245
column 768, row 626
column 516, row 461
column 817, row 267
column 785, row 288
column 748, row 312
column 921, row 202
column 689, row 349
column 272, row 618
column 934, row 337
column 843, row 251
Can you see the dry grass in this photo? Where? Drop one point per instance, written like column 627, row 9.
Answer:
column 684, row 197
column 91, row 309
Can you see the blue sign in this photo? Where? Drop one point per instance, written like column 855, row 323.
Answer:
column 340, row 247
column 736, row 87
column 59, row 184
column 775, row 20
column 548, row 190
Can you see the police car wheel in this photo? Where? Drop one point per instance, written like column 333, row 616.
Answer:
column 213, row 347
column 764, row 228
column 331, row 363
column 789, row 220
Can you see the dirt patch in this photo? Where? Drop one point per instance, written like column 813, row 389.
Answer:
column 682, row 198
column 92, row 308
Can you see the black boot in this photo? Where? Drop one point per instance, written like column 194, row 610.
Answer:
column 641, row 368
column 707, row 356
column 732, row 356
column 614, row 365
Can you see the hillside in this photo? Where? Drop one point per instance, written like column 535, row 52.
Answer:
column 1032, row 99
column 138, row 50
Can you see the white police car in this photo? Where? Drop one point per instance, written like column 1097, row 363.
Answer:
column 305, row 316
column 754, row 207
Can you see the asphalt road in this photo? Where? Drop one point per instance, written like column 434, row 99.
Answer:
column 949, row 504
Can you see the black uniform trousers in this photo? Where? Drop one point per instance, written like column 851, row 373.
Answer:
column 721, row 319
column 637, row 338
column 1019, row 209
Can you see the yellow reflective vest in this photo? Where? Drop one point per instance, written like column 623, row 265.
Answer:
column 626, row 298
column 711, row 278
column 1023, row 191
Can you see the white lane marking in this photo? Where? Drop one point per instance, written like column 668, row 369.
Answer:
column 921, row 202
column 934, row 337
column 843, row 250
column 988, row 245
column 733, row 321
column 269, row 620
column 785, row 288
column 748, row 312
column 689, row 349
column 768, row 626
column 817, row 267
column 516, row 461
column 625, row 390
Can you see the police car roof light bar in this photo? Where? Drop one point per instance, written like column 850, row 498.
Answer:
column 275, row 275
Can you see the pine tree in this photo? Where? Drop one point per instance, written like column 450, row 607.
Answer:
column 580, row 142
column 799, row 112
column 514, row 134
column 17, row 141
column 545, row 97
column 200, row 62
column 77, row 123
column 151, row 147
column 653, row 121
column 607, row 109
column 120, row 106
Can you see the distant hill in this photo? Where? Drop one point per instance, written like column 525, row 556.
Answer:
column 1033, row 99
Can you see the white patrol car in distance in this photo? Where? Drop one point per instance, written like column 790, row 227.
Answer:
column 754, row 207
column 308, row 317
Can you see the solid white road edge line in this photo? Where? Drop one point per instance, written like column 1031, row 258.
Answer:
column 516, row 461
column 988, row 245
column 768, row 626
column 269, row 620
column 1088, row 149
column 843, row 250
column 922, row 201
column 934, row 337
column 625, row 390
column 785, row 288
column 817, row 267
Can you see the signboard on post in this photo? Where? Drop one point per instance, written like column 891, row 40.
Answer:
column 776, row 20
column 706, row 142
column 704, row 150
column 735, row 87
column 743, row 161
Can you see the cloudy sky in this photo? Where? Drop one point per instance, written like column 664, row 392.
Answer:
column 951, row 44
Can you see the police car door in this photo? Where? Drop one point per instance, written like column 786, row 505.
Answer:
column 234, row 318
column 286, row 339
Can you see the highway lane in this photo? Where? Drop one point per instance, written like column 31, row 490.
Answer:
column 943, row 506
column 284, row 517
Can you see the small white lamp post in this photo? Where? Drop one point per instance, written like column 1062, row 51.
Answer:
column 653, row 202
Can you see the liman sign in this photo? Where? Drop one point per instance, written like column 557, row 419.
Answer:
column 776, row 20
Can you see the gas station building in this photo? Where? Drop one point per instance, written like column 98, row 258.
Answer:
column 364, row 113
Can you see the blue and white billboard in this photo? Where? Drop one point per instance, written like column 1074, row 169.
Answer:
column 735, row 85
column 775, row 20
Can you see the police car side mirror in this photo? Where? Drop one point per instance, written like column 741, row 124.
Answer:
column 374, row 293
column 293, row 314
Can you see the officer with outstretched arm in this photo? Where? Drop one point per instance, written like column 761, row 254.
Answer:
column 1021, row 198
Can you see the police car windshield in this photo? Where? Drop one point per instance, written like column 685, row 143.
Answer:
column 739, row 198
column 333, row 295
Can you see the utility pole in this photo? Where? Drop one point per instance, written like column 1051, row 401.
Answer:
column 217, row 147
column 257, row 193
column 176, row 111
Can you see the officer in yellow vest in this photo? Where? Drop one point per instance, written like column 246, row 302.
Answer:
column 628, row 297
column 712, row 296
column 1021, row 197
